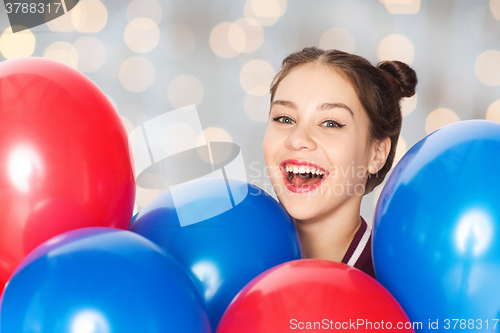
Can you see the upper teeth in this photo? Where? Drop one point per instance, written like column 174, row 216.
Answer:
column 304, row 169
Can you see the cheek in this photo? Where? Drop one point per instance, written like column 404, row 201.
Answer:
column 346, row 159
column 270, row 147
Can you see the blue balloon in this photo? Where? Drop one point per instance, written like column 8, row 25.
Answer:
column 101, row 280
column 133, row 219
column 436, row 241
column 228, row 250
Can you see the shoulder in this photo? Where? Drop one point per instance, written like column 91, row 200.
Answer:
column 359, row 253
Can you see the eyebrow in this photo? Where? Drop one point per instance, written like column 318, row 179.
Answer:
column 325, row 106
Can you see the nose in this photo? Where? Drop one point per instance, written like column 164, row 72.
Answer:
column 300, row 139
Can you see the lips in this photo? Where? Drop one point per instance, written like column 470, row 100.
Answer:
column 314, row 171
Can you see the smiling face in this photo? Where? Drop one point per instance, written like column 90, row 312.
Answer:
column 316, row 147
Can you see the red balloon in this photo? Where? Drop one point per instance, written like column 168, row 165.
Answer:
column 64, row 158
column 313, row 295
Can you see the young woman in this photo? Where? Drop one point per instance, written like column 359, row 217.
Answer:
column 331, row 138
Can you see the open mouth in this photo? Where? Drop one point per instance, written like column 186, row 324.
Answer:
column 301, row 176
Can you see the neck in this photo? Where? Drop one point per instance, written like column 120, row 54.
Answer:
column 328, row 237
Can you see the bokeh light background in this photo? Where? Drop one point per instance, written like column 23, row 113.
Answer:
column 152, row 56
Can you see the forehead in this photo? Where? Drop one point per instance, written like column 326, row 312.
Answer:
column 317, row 82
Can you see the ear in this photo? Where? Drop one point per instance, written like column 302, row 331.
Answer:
column 380, row 152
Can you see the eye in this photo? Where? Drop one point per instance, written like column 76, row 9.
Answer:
column 284, row 119
column 332, row 123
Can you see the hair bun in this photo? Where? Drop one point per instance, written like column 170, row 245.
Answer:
column 403, row 78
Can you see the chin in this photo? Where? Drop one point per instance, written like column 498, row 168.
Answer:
column 298, row 207
column 303, row 214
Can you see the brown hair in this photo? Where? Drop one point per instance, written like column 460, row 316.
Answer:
column 379, row 90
